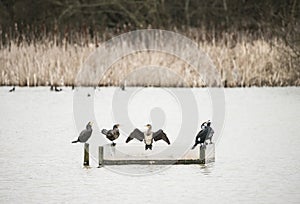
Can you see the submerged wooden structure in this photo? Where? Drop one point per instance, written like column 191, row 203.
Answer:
column 109, row 155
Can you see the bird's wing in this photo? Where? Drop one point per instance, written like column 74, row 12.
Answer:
column 202, row 135
column 84, row 135
column 137, row 134
column 210, row 133
column 104, row 131
column 160, row 135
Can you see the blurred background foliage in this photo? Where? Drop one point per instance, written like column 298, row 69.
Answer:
column 252, row 42
column 251, row 15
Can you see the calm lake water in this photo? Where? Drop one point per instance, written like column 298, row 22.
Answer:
column 257, row 154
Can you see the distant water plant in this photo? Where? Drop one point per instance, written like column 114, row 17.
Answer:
column 241, row 59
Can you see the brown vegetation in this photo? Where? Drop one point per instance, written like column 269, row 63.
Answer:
column 241, row 61
column 252, row 43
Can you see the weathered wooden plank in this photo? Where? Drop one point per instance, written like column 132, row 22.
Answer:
column 206, row 155
column 151, row 162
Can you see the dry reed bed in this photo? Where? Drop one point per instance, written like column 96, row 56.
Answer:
column 240, row 63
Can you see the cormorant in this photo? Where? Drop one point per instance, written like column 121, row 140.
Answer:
column 205, row 134
column 112, row 134
column 13, row 89
column 148, row 136
column 57, row 89
column 123, row 85
column 85, row 134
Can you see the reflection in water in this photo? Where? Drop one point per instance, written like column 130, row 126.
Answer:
column 206, row 169
column 138, row 170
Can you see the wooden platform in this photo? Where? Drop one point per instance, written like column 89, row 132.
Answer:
column 151, row 162
column 203, row 155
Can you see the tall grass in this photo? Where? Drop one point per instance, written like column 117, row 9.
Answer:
column 241, row 61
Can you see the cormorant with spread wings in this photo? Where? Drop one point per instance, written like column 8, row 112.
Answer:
column 148, row 136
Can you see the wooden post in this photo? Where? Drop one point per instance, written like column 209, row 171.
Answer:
column 100, row 157
column 210, row 153
column 202, row 154
column 86, row 156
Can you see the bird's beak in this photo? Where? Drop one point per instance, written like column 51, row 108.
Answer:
column 118, row 125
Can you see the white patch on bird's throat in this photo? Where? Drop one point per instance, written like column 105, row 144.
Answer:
column 148, row 138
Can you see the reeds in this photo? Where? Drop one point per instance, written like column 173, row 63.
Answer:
column 240, row 59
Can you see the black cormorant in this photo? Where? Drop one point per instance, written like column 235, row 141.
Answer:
column 112, row 134
column 85, row 134
column 148, row 136
column 13, row 89
column 205, row 134
column 57, row 89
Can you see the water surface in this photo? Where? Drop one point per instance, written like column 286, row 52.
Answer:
column 257, row 157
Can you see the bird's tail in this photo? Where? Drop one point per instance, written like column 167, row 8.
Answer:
column 104, row 131
column 75, row 141
column 194, row 146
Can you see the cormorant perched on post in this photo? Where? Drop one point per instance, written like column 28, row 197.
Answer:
column 85, row 134
column 205, row 134
column 112, row 134
column 148, row 136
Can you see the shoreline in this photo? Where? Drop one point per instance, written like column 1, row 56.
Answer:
column 153, row 87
